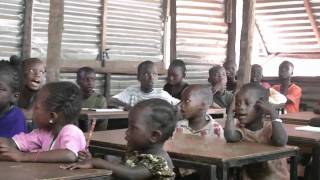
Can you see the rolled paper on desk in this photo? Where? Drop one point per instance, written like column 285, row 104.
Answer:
column 93, row 124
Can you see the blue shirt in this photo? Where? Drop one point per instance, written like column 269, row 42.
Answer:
column 12, row 122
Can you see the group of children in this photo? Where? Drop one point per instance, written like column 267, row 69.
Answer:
column 155, row 115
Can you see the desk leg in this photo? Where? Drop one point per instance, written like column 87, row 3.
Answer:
column 293, row 168
column 222, row 173
column 315, row 161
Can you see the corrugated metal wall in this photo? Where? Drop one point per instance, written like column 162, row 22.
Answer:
column 202, row 36
column 135, row 30
column 11, row 27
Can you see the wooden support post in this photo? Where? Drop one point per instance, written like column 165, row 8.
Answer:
column 312, row 20
column 232, row 29
column 246, row 41
column 107, row 85
column 55, row 29
column 27, row 29
column 173, row 31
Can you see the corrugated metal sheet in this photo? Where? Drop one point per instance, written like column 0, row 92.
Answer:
column 39, row 39
column 81, row 34
column 135, row 29
column 11, row 28
column 285, row 26
column 201, row 36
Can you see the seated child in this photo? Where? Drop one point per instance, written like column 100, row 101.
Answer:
column 288, row 88
column 195, row 102
column 33, row 73
column 151, row 123
column 86, row 78
column 57, row 105
column 251, row 106
column 12, row 120
column 231, row 69
column 147, row 76
column 218, row 80
column 257, row 75
column 175, row 84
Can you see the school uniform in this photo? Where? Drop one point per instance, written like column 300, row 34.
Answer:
column 294, row 95
column 12, row 122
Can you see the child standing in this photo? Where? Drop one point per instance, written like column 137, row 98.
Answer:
column 57, row 105
column 218, row 80
column 195, row 102
column 251, row 106
column 12, row 120
column 86, row 79
column 176, row 74
column 147, row 76
column 151, row 123
column 288, row 88
column 33, row 71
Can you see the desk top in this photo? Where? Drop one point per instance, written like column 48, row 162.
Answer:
column 26, row 171
column 203, row 149
column 299, row 118
column 301, row 136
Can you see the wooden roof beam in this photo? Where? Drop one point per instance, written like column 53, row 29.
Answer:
column 312, row 20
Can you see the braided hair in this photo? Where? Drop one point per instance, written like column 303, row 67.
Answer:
column 64, row 97
column 163, row 116
column 9, row 71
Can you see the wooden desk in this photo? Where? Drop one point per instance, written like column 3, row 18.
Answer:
column 299, row 118
column 305, row 139
column 196, row 149
column 31, row 171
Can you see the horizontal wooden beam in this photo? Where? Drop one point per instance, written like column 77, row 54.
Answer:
column 298, row 55
column 113, row 67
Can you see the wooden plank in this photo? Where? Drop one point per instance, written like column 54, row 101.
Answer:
column 312, row 19
column 173, row 31
column 103, row 29
column 246, row 42
column 232, row 29
column 55, row 29
column 27, row 29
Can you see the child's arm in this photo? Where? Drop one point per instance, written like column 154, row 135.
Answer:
column 118, row 170
column 279, row 135
column 116, row 102
column 230, row 132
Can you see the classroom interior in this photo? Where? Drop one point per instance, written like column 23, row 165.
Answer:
column 114, row 36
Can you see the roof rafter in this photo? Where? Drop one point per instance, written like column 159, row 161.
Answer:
column 312, row 20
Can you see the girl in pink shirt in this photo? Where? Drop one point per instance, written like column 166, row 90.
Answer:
column 57, row 105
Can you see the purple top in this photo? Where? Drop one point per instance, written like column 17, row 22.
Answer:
column 12, row 122
column 70, row 137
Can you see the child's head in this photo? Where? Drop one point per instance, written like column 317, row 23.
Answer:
column 9, row 83
column 147, row 75
column 86, row 79
column 33, row 70
column 176, row 72
column 57, row 104
column 231, row 69
column 150, row 122
column 245, row 106
column 217, row 75
column 195, row 101
column 256, row 73
column 285, row 70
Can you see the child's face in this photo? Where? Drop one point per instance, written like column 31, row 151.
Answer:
column 6, row 94
column 40, row 114
column 218, row 77
column 147, row 77
column 35, row 76
column 256, row 74
column 246, row 111
column 138, row 132
column 190, row 105
column 230, row 70
column 87, row 82
column 285, row 70
column 175, row 75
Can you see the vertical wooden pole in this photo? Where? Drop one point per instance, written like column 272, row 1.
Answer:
column 107, row 85
column 232, row 29
column 27, row 29
column 55, row 29
column 246, row 42
column 173, row 14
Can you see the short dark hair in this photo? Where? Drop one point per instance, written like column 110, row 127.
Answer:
column 215, row 68
column 163, row 116
column 179, row 63
column 203, row 93
column 261, row 91
column 289, row 63
column 11, row 70
column 29, row 62
column 86, row 70
column 144, row 65
column 64, row 97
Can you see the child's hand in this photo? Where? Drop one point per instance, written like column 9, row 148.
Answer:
column 9, row 153
column 83, row 155
column 86, row 164
column 266, row 108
